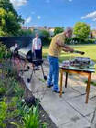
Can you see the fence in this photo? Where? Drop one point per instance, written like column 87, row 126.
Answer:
column 21, row 41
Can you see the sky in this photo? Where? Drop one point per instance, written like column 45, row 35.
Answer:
column 56, row 13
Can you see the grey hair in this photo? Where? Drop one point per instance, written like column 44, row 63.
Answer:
column 68, row 29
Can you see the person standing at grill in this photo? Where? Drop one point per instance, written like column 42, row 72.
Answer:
column 57, row 44
column 37, row 47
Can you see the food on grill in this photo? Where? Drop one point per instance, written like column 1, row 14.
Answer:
column 81, row 62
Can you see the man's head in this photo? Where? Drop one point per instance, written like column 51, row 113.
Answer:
column 68, row 32
column 36, row 35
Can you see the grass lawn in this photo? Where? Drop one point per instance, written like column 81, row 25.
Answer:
column 90, row 51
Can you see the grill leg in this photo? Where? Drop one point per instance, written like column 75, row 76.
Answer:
column 29, row 79
column 45, row 77
column 23, row 65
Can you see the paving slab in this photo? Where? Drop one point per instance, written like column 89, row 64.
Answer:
column 80, row 123
column 79, row 104
column 89, row 116
column 70, row 93
column 61, row 112
column 79, row 85
column 92, row 96
column 93, row 99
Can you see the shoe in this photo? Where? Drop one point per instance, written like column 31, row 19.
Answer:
column 49, row 86
column 58, row 91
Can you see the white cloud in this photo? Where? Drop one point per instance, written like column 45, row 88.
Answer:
column 18, row 3
column 38, row 17
column 91, row 15
column 28, row 20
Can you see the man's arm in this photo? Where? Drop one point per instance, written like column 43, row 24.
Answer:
column 66, row 48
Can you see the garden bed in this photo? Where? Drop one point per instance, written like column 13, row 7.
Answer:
column 43, row 116
column 16, row 100
column 18, row 106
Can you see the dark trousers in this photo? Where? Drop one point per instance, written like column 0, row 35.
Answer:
column 38, row 54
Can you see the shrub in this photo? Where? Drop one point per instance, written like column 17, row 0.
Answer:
column 46, row 41
column 81, row 30
column 4, row 52
column 3, row 113
column 2, row 90
column 75, row 40
column 58, row 30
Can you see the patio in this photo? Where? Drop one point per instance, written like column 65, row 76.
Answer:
column 70, row 110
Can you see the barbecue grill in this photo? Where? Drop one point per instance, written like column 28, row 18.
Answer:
column 35, row 62
column 29, row 58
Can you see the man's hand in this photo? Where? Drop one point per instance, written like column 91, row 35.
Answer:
column 66, row 50
column 71, row 50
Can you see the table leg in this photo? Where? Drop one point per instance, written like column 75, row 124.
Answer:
column 88, row 87
column 61, row 79
column 66, row 79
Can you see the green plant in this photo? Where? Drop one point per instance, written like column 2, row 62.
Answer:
column 2, row 90
column 19, row 125
column 18, row 91
column 31, row 119
column 44, row 125
column 8, row 70
column 21, row 106
column 16, row 108
column 12, row 104
column 7, row 85
column 2, row 51
column 3, row 113
column 93, row 83
column 10, row 85
column 12, row 114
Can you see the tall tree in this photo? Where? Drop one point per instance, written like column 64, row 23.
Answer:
column 2, row 21
column 10, row 21
column 26, row 32
column 44, row 33
column 58, row 30
column 81, row 30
